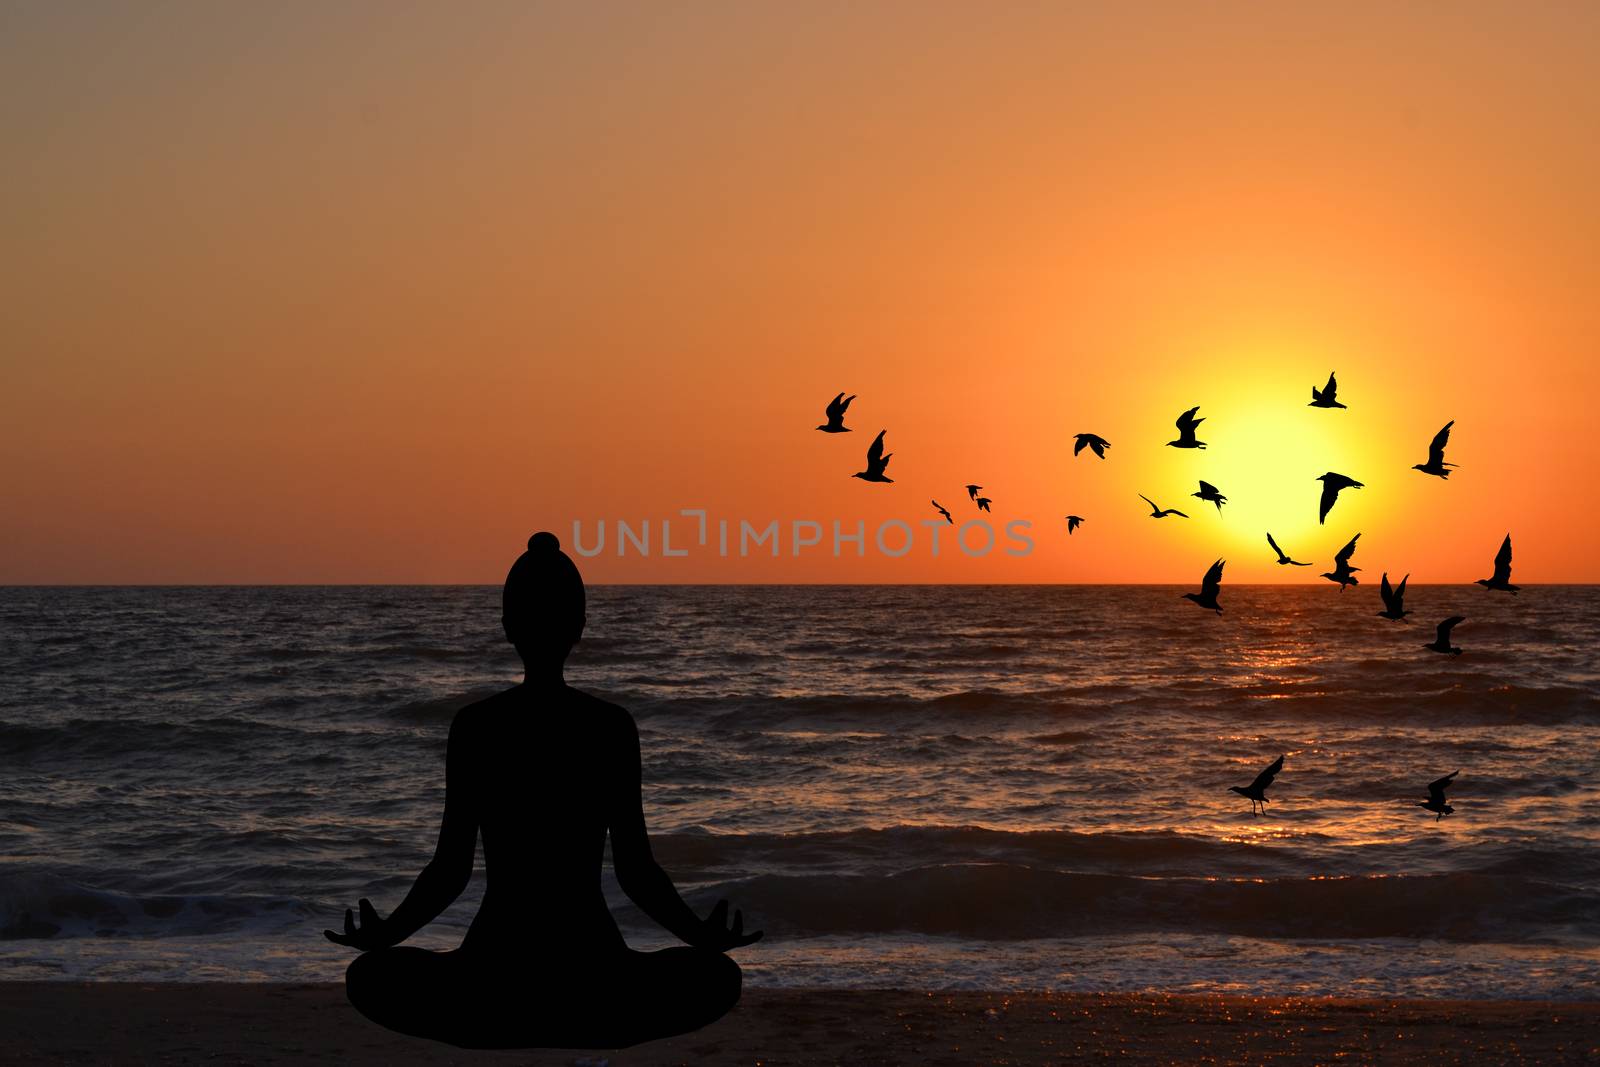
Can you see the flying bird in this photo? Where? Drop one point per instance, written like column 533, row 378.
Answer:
column 943, row 512
column 1441, row 641
column 1256, row 791
column 1436, row 463
column 1073, row 522
column 1436, row 801
column 1394, row 600
column 1209, row 492
column 1210, row 586
column 1282, row 558
column 1342, row 572
column 1326, row 398
column 876, row 462
column 1331, row 484
column 1161, row 513
column 972, row 491
column 983, row 503
column 835, row 413
column 1094, row 442
column 1502, row 570
column 1186, row 424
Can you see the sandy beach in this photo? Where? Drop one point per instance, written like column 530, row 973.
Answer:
column 114, row 1023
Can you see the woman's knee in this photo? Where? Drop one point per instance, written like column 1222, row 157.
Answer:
column 374, row 978
column 364, row 979
column 727, row 980
column 716, row 980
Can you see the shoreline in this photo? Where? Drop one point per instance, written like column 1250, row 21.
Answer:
column 114, row 1022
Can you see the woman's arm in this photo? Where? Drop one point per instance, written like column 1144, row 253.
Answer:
column 446, row 875
column 638, row 873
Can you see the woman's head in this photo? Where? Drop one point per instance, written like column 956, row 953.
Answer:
column 543, row 601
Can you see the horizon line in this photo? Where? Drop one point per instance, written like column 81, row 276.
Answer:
column 695, row 585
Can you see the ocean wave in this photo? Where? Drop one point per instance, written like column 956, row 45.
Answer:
column 1004, row 901
column 44, row 905
column 1143, row 853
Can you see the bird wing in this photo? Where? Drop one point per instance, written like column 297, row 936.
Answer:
column 1175, row 511
column 1387, row 592
column 1187, row 421
column 875, row 450
column 1443, row 634
column 1331, row 388
column 1275, row 547
column 835, row 408
column 1347, row 551
column 1436, row 789
column 846, row 405
column 1330, row 493
column 1400, row 593
column 1207, row 487
column 1147, row 500
column 1436, row 448
column 1502, row 561
column 1211, row 584
column 1078, row 445
column 1265, row 778
column 1099, row 446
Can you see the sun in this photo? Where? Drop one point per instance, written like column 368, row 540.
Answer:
column 1265, row 451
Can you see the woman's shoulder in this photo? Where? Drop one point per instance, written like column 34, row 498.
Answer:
column 596, row 709
column 609, row 715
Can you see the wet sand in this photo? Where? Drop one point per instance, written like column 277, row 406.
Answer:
column 115, row 1023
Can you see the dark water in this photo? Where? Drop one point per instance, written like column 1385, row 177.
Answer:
column 907, row 786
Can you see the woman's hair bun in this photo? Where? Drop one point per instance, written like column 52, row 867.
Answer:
column 544, row 542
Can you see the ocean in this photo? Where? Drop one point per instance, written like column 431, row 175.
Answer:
column 924, row 787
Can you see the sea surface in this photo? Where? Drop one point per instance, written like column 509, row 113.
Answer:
column 1012, row 787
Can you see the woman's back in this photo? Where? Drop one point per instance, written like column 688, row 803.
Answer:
column 543, row 767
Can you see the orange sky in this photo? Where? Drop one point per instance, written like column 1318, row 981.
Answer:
column 367, row 295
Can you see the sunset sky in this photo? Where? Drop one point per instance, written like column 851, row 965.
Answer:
column 369, row 292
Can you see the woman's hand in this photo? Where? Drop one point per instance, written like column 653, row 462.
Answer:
column 371, row 933
column 715, row 934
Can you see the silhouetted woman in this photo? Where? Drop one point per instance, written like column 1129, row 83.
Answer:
column 544, row 772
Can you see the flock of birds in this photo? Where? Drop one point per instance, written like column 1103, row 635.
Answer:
column 1256, row 791
column 1343, row 573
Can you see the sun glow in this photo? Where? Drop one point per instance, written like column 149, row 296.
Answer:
column 1265, row 451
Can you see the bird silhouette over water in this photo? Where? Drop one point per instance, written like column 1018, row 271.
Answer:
column 1331, row 485
column 1256, row 791
column 876, row 461
column 1161, row 513
column 835, row 413
column 1436, row 464
column 1436, row 801
column 1326, row 398
column 983, row 503
column 1342, row 572
column 974, row 490
column 1073, row 522
column 1209, row 492
column 943, row 512
column 1501, row 578
column 1441, row 640
column 1210, row 586
column 1186, row 426
column 1283, row 559
column 1094, row 442
column 1394, row 600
